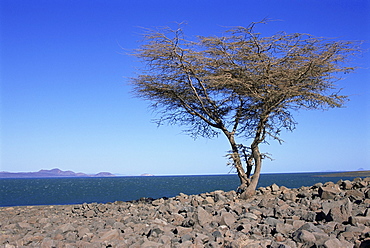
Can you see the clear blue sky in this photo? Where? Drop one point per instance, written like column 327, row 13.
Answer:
column 66, row 102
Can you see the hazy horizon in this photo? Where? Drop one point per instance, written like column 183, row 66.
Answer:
column 204, row 174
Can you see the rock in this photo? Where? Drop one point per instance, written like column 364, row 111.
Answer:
column 203, row 217
column 340, row 212
column 328, row 227
column 208, row 200
column 250, row 216
column 310, row 227
column 365, row 220
column 47, row 243
column 367, row 212
column 329, row 191
column 150, row 244
column 245, row 228
column 165, row 240
column 219, row 196
column 359, row 183
column 354, row 195
column 274, row 188
column 367, row 193
column 186, row 244
column 283, row 228
column 272, row 221
column 25, row 225
column 202, row 238
column 346, row 184
column 155, row 232
column 304, row 194
column 227, row 219
column 335, row 243
column 317, row 185
column 304, row 237
column 177, row 219
column 291, row 196
column 307, row 215
column 263, row 190
column 158, row 202
column 231, row 195
column 180, row 231
column 279, row 245
column 89, row 213
column 67, row 228
column 321, row 238
column 109, row 235
column 217, row 234
column 83, row 231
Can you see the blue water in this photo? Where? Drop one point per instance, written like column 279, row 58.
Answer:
column 52, row 191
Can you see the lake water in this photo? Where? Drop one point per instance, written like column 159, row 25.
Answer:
column 53, row 191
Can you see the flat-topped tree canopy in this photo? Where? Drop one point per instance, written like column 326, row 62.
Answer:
column 241, row 84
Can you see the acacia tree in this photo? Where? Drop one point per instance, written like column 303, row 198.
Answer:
column 241, row 84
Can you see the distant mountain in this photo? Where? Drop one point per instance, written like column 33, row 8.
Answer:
column 51, row 173
column 146, row 175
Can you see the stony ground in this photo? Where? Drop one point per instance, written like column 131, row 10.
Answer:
column 332, row 215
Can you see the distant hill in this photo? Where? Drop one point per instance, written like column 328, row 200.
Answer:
column 51, row 173
column 146, row 175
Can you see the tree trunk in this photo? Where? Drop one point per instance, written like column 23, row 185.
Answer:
column 244, row 180
column 251, row 189
column 256, row 156
column 248, row 184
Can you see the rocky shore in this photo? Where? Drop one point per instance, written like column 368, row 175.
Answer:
column 330, row 215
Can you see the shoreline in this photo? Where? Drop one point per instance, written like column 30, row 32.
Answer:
column 328, row 215
column 347, row 174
